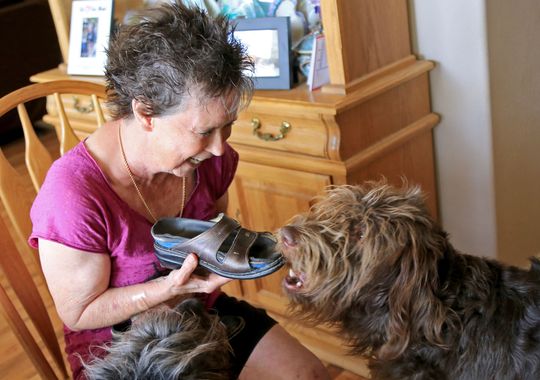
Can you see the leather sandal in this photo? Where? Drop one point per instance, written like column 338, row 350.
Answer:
column 222, row 245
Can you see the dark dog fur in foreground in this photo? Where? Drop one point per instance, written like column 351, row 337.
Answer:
column 185, row 343
column 370, row 260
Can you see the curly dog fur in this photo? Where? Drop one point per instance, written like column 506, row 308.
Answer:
column 182, row 343
column 370, row 260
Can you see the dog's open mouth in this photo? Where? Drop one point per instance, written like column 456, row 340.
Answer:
column 294, row 281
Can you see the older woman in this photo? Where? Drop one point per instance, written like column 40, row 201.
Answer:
column 175, row 83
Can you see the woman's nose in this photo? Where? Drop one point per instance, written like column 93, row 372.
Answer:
column 216, row 145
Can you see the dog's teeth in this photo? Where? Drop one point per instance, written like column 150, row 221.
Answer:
column 291, row 273
column 299, row 284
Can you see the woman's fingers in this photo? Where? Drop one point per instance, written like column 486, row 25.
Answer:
column 190, row 263
column 217, row 281
column 207, row 284
column 184, row 281
column 182, row 275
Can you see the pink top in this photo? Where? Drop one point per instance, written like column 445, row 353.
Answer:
column 77, row 207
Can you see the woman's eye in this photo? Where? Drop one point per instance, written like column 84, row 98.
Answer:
column 205, row 134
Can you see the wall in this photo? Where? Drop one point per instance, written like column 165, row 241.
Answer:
column 486, row 88
column 514, row 31
column 452, row 33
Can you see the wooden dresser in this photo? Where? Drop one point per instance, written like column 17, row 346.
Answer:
column 372, row 120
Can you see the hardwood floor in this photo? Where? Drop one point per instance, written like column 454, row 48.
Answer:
column 14, row 364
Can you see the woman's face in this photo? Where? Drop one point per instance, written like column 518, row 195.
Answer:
column 196, row 133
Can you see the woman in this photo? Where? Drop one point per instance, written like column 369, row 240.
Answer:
column 175, row 83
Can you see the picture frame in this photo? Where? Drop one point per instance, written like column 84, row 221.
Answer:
column 91, row 24
column 267, row 40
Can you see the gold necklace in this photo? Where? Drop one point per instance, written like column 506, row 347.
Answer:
column 137, row 187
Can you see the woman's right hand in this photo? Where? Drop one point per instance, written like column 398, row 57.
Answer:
column 183, row 280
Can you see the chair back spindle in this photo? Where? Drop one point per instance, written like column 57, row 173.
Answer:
column 17, row 191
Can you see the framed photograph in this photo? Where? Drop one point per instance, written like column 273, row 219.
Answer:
column 267, row 41
column 90, row 29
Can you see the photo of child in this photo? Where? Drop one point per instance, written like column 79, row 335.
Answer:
column 91, row 22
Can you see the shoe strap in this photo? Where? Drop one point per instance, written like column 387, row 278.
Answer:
column 207, row 243
column 236, row 259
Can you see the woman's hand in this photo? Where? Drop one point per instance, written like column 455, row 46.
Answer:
column 183, row 280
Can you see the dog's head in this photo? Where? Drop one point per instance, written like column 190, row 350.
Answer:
column 185, row 342
column 371, row 249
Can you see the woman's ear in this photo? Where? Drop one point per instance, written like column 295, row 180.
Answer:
column 142, row 115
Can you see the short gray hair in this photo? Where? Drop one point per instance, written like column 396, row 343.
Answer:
column 172, row 52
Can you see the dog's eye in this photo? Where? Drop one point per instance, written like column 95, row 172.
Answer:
column 357, row 230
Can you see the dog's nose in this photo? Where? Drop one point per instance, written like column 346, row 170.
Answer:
column 288, row 235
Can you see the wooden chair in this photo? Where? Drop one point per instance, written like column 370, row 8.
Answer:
column 17, row 195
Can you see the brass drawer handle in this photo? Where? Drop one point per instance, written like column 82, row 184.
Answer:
column 283, row 130
column 82, row 108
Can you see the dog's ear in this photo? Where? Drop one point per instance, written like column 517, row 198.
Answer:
column 415, row 312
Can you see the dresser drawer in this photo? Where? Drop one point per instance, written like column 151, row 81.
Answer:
column 306, row 135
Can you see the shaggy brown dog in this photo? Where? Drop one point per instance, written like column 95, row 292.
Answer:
column 372, row 261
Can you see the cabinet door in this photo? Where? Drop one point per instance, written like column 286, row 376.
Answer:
column 263, row 198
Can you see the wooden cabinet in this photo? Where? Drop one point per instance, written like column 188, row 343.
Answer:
column 372, row 120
